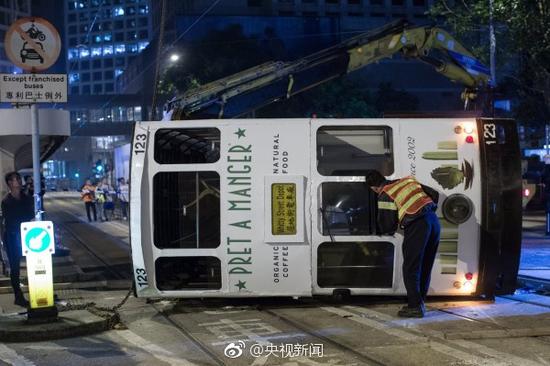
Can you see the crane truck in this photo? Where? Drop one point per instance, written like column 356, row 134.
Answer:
column 238, row 94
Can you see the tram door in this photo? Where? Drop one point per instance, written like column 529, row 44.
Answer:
column 346, row 252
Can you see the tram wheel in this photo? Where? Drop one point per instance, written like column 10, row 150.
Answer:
column 341, row 294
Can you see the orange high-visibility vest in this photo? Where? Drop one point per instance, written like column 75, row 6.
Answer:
column 408, row 195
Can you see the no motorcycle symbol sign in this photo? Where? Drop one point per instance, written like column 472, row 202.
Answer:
column 32, row 44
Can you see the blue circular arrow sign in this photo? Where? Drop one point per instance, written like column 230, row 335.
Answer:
column 37, row 239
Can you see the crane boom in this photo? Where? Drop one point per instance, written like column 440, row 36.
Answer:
column 258, row 86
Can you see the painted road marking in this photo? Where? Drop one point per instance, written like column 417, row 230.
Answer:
column 11, row 357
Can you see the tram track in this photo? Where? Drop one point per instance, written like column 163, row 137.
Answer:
column 189, row 335
column 64, row 220
column 117, row 274
column 276, row 313
column 508, row 297
column 315, row 334
column 295, row 325
column 70, row 209
column 471, row 319
column 491, row 323
column 465, row 350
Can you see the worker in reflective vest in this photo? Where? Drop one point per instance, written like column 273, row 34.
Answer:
column 407, row 204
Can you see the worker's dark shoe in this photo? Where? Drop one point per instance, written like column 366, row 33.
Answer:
column 408, row 312
column 21, row 301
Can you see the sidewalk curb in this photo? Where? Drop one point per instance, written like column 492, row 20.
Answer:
column 74, row 323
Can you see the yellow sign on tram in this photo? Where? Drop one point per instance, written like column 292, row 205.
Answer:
column 283, row 209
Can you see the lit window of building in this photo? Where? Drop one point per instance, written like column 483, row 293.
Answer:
column 73, row 53
column 120, row 49
column 118, row 11
column 108, row 37
column 84, row 52
column 107, row 50
column 74, row 78
column 118, row 72
column 142, row 46
column 132, row 48
column 96, row 52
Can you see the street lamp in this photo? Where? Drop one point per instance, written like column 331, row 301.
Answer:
column 174, row 57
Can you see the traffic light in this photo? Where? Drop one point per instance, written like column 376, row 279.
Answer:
column 99, row 168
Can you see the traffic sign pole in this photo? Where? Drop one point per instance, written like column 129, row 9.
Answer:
column 33, row 44
column 36, row 162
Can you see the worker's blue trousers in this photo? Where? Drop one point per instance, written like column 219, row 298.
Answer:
column 419, row 251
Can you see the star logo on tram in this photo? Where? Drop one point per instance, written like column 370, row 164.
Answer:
column 240, row 133
column 241, row 285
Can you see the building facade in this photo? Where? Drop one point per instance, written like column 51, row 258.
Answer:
column 10, row 11
column 102, row 37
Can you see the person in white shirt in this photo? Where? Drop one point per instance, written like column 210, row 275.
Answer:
column 123, row 196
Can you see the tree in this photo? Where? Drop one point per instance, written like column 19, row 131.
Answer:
column 523, row 46
column 219, row 54
column 387, row 99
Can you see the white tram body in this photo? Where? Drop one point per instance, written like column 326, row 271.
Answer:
column 278, row 207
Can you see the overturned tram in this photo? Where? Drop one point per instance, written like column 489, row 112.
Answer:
column 279, row 207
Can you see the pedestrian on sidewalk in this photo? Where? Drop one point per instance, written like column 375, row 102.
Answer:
column 87, row 193
column 17, row 207
column 105, row 200
column 411, row 206
column 123, row 196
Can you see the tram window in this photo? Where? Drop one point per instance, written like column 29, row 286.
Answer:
column 348, row 209
column 187, row 145
column 351, row 150
column 355, row 264
column 186, row 210
column 186, row 273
